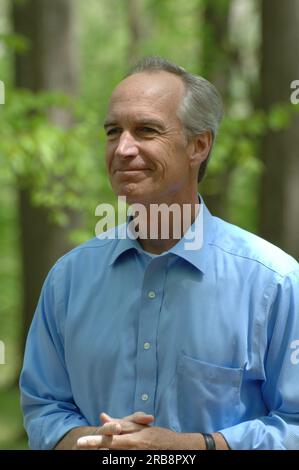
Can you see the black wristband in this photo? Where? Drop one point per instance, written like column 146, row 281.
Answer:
column 209, row 441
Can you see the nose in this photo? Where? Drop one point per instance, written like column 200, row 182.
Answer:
column 126, row 146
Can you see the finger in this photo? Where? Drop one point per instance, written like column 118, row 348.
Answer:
column 94, row 442
column 129, row 426
column 109, row 429
column 123, row 442
column 140, row 418
column 124, row 426
column 89, row 442
column 105, row 418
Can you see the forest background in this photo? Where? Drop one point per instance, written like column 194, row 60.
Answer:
column 59, row 61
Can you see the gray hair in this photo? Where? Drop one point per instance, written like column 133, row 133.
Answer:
column 201, row 108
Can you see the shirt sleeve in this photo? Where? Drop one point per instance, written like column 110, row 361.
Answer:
column 280, row 428
column 46, row 395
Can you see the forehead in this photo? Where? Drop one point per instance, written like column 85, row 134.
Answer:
column 156, row 93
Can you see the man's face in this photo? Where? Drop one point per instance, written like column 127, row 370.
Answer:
column 147, row 152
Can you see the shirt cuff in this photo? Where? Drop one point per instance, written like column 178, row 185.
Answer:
column 52, row 430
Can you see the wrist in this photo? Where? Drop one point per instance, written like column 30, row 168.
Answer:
column 190, row 441
column 68, row 441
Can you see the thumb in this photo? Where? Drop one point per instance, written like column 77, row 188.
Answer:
column 140, row 418
column 105, row 418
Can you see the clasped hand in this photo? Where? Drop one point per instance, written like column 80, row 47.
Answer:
column 130, row 432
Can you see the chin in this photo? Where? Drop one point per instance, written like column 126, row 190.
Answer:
column 134, row 194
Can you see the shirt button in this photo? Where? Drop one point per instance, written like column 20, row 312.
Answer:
column 151, row 294
column 147, row 345
column 144, row 396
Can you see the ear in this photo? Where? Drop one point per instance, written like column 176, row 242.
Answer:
column 200, row 148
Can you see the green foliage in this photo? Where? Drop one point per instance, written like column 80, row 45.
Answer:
column 280, row 116
column 56, row 164
column 12, row 435
column 236, row 154
column 15, row 42
column 11, row 290
column 64, row 166
column 172, row 31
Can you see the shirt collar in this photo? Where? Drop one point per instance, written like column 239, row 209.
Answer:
column 186, row 248
column 196, row 252
column 123, row 243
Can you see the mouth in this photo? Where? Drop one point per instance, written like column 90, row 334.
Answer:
column 132, row 170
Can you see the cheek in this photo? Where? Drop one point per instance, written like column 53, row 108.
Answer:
column 109, row 157
column 163, row 155
column 175, row 160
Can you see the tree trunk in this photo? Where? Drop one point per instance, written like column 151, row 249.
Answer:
column 135, row 30
column 215, row 65
column 279, row 217
column 48, row 65
column 216, row 52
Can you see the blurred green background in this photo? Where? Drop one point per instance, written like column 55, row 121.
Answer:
column 59, row 61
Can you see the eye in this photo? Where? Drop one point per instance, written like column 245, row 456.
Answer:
column 147, row 130
column 113, row 131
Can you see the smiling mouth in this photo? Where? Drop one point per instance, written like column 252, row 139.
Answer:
column 133, row 170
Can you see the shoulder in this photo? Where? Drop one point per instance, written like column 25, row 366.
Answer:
column 244, row 246
column 92, row 254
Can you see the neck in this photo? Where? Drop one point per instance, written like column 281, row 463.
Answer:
column 160, row 227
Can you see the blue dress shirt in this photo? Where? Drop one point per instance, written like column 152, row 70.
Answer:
column 204, row 340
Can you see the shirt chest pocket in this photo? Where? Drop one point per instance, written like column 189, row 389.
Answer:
column 208, row 395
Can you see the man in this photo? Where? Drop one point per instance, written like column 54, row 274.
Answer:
column 174, row 348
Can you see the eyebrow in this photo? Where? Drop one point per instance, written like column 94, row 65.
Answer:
column 144, row 121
